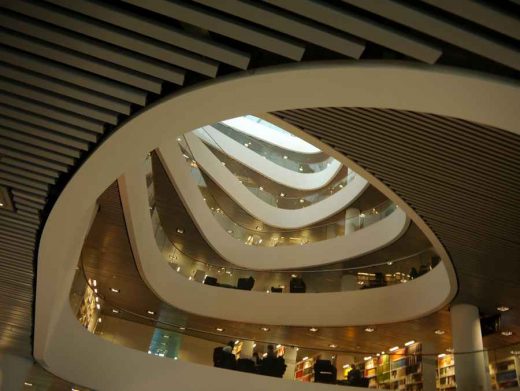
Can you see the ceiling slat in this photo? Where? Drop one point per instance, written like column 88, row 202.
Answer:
column 26, row 174
column 72, row 75
column 290, row 25
column 223, row 25
column 442, row 29
column 361, row 27
column 123, row 38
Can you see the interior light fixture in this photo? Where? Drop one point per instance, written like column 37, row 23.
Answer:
column 265, row 329
column 367, row 358
column 190, row 278
column 94, row 282
column 25, row 383
column 178, row 269
column 441, row 355
column 229, row 231
column 261, row 188
column 1, row 204
column 237, row 342
column 450, row 350
column 176, row 358
column 97, row 299
column 506, row 333
column 439, row 332
column 149, row 312
column 340, row 186
column 223, row 163
column 369, row 329
column 285, row 157
column 115, row 290
column 409, row 343
column 362, row 215
column 300, row 169
column 297, row 349
column 278, row 346
column 346, row 366
column 305, row 358
column 182, row 328
column 378, row 354
column 393, row 349
column 219, row 329
column 333, row 346
column 180, row 230
column 383, row 353
column 515, row 352
column 254, row 345
column 98, row 306
column 389, row 263
column 99, row 320
column 302, row 200
column 115, row 311
column 178, row 139
column 264, row 355
column 293, row 276
column 282, row 194
column 313, row 329
column 503, row 308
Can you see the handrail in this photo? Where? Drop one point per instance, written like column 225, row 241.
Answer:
column 382, row 210
column 281, row 200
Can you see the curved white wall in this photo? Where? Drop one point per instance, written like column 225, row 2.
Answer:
column 437, row 90
column 342, row 309
column 265, row 167
column 363, row 241
column 280, row 139
column 270, row 215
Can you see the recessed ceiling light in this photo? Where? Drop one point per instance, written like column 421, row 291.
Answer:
column 176, row 358
column 507, row 333
column 305, row 358
column 219, row 329
column 94, row 282
column 441, row 355
column 115, row 290
column 182, row 328
column 333, row 346
column 362, row 215
column 115, row 311
column 282, row 194
column 278, row 346
column 389, row 263
column 261, row 188
column 99, row 320
column 409, row 343
column 383, row 353
column 149, row 312
column 229, row 231
column 393, row 349
column 237, row 342
column 367, row 358
column 439, row 332
column 515, row 352
column 25, row 383
column 98, row 306
column 302, row 200
column 369, row 329
column 1, row 204
column 180, row 230
column 346, row 365
column 178, row 139
column 285, row 157
column 293, row 276
column 178, row 269
column 301, row 169
column 265, row 328
column 503, row 308
column 313, row 329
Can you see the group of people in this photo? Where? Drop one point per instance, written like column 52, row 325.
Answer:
column 270, row 365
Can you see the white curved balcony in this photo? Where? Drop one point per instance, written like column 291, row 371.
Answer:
column 342, row 309
column 371, row 238
column 265, row 131
column 265, row 167
column 269, row 214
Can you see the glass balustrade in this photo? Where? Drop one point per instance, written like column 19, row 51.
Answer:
column 389, row 365
column 262, row 236
column 281, row 199
column 291, row 160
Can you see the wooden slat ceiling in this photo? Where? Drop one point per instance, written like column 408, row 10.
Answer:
column 460, row 177
column 71, row 71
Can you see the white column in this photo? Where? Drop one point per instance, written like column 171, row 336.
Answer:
column 470, row 369
column 13, row 371
column 429, row 366
column 290, row 361
column 349, row 282
column 351, row 220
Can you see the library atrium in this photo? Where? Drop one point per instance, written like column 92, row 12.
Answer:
column 264, row 194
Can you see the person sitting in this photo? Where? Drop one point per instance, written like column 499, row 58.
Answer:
column 354, row 377
column 272, row 365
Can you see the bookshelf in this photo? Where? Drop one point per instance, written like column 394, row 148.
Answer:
column 446, row 373
column 400, row 370
column 505, row 373
column 304, row 370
